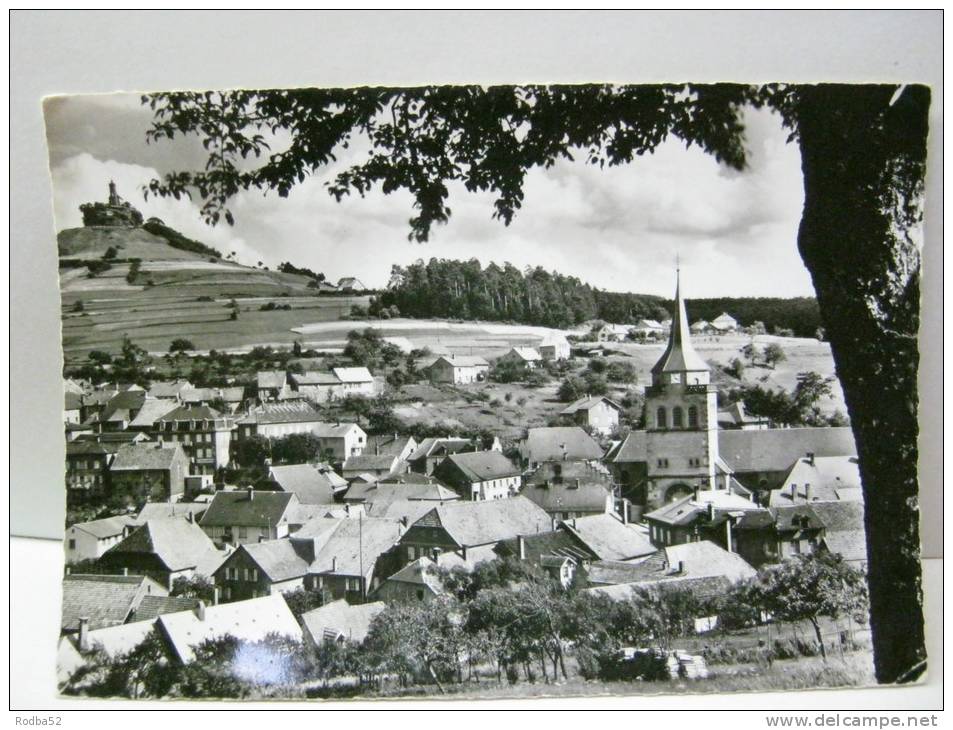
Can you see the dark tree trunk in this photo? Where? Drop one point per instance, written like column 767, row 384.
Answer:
column 863, row 151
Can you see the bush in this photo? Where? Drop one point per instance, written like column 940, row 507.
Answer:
column 110, row 253
column 180, row 344
column 97, row 267
column 78, row 306
column 205, row 298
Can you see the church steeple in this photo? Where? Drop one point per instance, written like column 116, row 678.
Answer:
column 679, row 357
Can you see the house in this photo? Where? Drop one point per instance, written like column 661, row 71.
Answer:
column 277, row 419
column 418, row 581
column 528, row 357
column 462, row 526
column 98, row 601
column 612, row 332
column 432, row 451
column 681, row 521
column 647, row 328
column 89, row 540
column 724, row 322
column 87, row 464
column 557, row 552
column 844, row 530
column 374, row 465
column 119, row 411
column 248, row 516
column 819, row 479
column 555, row 347
column 340, row 440
column 151, row 607
column 610, row 538
column 400, row 446
column 480, row 475
column 351, row 283
column 571, row 497
column 164, row 550
column 597, row 412
column 459, row 369
column 735, row 417
column 676, row 566
column 232, row 398
column 72, row 407
column 558, row 443
column 152, row 410
column 204, row 433
column 340, row 621
column 248, row 621
column 150, row 471
column 171, row 510
column 264, row 568
column 354, row 381
column 271, row 385
column 354, row 558
column 169, row 389
column 310, row 483
column 700, row 327
column 316, row 386
column 415, row 490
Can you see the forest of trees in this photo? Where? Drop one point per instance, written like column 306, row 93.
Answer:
column 468, row 290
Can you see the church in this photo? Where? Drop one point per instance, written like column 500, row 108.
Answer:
column 682, row 447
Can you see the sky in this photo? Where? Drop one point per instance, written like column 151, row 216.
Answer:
column 619, row 229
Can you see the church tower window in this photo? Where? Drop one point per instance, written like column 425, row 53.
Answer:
column 692, row 417
column 660, row 419
column 677, row 417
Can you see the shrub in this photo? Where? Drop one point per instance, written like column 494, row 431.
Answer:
column 205, row 298
column 110, row 253
column 97, row 267
column 78, row 306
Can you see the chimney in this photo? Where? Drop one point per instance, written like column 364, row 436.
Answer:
column 190, row 517
column 573, row 521
column 810, row 458
column 84, row 633
column 553, row 523
column 251, row 493
column 521, row 547
column 215, row 597
column 125, row 571
column 681, row 566
column 334, row 564
column 68, row 569
column 728, row 536
column 625, row 511
column 576, row 485
column 695, row 492
column 463, row 552
column 807, row 492
column 793, row 492
column 200, row 611
column 711, row 510
column 160, row 442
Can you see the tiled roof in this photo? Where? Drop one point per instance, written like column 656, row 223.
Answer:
column 481, row 523
column 683, row 511
column 169, row 510
column 149, row 456
column 480, row 466
column 334, row 430
column 152, row 410
column 106, row 527
column 168, row 388
column 370, row 462
column 179, row 544
column 106, row 600
column 82, row 447
column 449, row 444
column 587, row 403
column 248, row 621
column 116, row 640
column 529, row 354
column 555, row 542
column 776, row 449
column 244, row 509
column 283, row 412
column 353, row 375
column 463, row 361
column 828, row 478
column 191, row 413
column 706, row 559
column 315, row 377
column 72, row 401
column 400, row 509
column 388, row 444
column 840, row 516
column 279, row 560
column 355, row 545
column 610, row 539
column 312, row 483
column 339, row 619
column 849, row 544
column 567, row 497
column 271, row 379
column 153, row 606
column 546, row 444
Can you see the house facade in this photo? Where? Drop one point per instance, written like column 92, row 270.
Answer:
column 89, row 540
column 459, row 369
column 148, row 472
column 248, row 516
column 555, row 348
column 597, row 413
column 87, row 464
column 204, row 433
column 528, row 357
column 480, row 475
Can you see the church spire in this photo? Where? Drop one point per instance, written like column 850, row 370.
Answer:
column 679, row 356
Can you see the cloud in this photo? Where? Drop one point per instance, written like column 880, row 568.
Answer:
column 618, row 228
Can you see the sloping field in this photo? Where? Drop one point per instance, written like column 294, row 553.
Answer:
column 92, row 242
